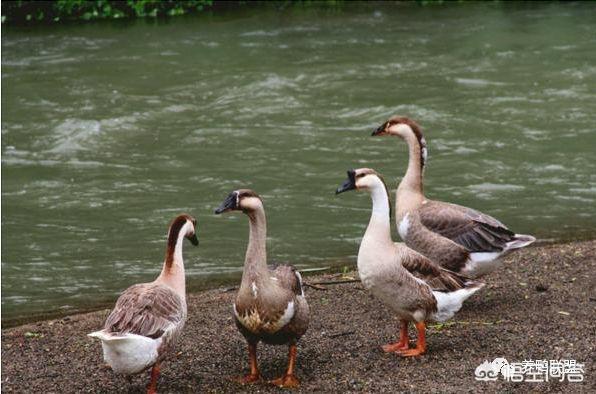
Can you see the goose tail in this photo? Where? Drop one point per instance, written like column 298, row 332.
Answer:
column 128, row 353
column 104, row 336
column 519, row 241
column 448, row 303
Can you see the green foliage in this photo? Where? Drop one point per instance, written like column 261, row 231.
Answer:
column 23, row 12
column 29, row 12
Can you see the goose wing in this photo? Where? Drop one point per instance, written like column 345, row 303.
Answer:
column 474, row 230
column 438, row 278
column 288, row 277
column 146, row 309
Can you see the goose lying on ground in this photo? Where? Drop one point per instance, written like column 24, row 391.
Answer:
column 149, row 317
column 456, row 237
column 270, row 305
column 415, row 288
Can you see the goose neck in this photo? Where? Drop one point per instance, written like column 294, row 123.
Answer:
column 173, row 268
column 412, row 180
column 255, row 263
column 380, row 219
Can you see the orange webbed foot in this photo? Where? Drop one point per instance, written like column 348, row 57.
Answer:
column 395, row 347
column 286, row 381
column 420, row 345
column 403, row 343
column 411, row 352
column 248, row 379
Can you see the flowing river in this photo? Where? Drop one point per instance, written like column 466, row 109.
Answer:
column 111, row 129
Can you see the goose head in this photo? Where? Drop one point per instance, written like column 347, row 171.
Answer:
column 240, row 200
column 187, row 224
column 404, row 128
column 360, row 179
column 400, row 126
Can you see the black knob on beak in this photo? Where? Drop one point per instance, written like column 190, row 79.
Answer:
column 349, row 184
column 230, row 203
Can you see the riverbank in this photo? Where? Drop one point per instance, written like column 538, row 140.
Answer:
column 540, row 305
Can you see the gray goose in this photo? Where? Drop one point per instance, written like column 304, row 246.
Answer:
column 270, row 305
column 456, row 237
column 416, row 289
column 149, row 317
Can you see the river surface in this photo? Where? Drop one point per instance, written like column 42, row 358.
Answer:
column 111, row 129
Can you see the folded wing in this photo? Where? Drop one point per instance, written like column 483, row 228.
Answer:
column 475, row 231
column 438, row 278
column 146, row 309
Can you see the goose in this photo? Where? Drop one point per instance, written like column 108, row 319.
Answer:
column 458, row 238
column 270, row 305
column 411, row 285
column 149, row 317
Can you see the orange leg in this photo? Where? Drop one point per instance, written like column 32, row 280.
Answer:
column 254, row 375
column 420, row 344
column 289, row 380
column 403, row 343
column 152, row 389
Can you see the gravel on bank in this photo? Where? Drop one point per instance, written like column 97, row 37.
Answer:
column 540, row 305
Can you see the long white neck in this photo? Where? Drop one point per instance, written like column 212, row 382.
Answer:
column 177, row 257
column 379, row 227
column 172, row 273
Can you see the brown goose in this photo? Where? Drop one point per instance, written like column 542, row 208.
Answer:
column 149, row 317
column 270, row 305
column 458, row 238
column 415, row 288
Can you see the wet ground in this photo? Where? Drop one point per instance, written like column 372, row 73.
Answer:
column 540, row 305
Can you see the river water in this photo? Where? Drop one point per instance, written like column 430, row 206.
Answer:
column 109, row 130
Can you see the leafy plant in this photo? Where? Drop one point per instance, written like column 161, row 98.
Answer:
column 28, row 12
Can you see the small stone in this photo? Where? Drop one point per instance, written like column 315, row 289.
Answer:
column 564, row 313
column 541, row 287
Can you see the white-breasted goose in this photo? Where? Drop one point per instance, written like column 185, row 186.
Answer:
column 458, row 238
column 149, row 317
column 270, row 305
column 416, row 289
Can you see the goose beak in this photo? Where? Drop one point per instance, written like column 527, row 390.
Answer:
column 230, row 203
column 349, row 184
column 379, row 130
column 193, row 239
